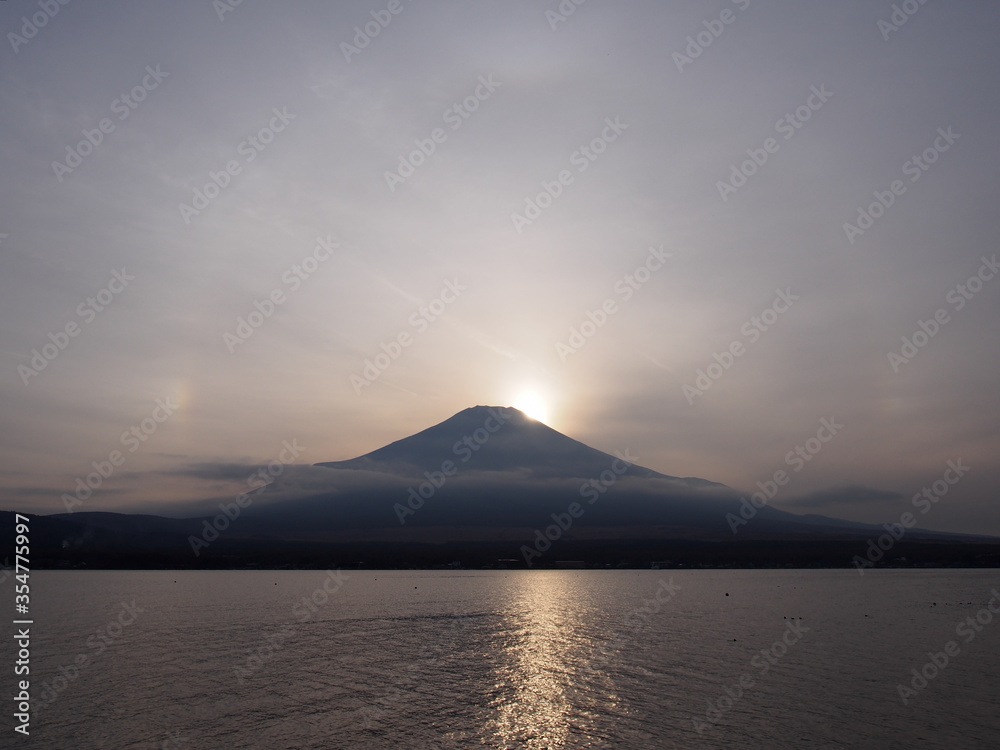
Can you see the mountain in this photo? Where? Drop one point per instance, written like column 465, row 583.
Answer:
column 496, row 468
column 487, row 483
column 490, row 438
column 493, row 474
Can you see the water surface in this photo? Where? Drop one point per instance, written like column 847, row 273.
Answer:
column 511, row 659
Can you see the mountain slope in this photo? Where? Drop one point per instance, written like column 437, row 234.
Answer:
column 490, row 438
column 497, row 471
column 485, row 484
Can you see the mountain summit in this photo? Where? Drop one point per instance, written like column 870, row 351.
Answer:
column 491, row 469
column 495, row 439
column 489, row 485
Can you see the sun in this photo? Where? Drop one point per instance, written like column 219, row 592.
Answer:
column 532, row 404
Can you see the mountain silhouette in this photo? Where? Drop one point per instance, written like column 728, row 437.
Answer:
column 492, row 471
column 487, row 484
column 491, row 438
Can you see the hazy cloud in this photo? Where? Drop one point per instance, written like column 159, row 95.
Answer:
column 808, row 112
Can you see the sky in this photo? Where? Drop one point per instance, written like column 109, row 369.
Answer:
column 693, row 230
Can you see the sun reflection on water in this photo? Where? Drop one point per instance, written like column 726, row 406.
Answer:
column 546, row 684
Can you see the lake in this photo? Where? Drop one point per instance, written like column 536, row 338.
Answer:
column 514, row 659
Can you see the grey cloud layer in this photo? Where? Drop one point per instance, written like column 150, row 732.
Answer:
column 210, row 109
